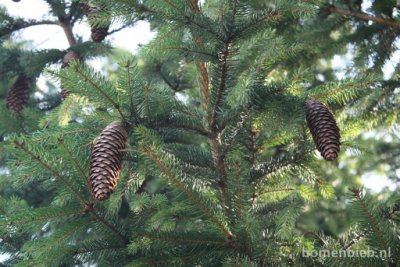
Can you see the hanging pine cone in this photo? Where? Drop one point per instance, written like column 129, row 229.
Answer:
column 98, row 33
column 18, row 94
column 68, row 57
column 323, row 128
column 106, row 160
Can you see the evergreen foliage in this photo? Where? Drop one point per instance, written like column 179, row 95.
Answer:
column 219, row 167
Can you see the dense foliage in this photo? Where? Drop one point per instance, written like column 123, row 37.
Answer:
column 220, row 168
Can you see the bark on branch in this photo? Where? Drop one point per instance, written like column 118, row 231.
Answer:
column 363, row 16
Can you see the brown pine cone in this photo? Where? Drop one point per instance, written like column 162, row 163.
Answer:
column 323, row 128
column 18, row 94
column 106, row 160
column 98, row 33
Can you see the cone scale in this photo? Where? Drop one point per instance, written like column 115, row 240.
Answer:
column 324, row 129
column 106, row 160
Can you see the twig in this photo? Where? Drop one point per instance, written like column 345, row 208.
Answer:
column 221, row 84
column 100, row 90
column 198, row 129
column 66, row 25
column 51, row 170
column 363, row 16
column 353, row 241
column 164, row 169
column 72, row 157
column 117, row 30
column 201, row 66
column 175, row 87
column 26, row 24
column 109, row 225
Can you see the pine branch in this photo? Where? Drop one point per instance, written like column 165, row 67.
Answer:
column 232, row 137
column 52, row 171
column 147, row 102
column 66, row 25
column 107, row 224
column 81, row 73
column 130, row 82
column 153, row 262
column 174, row 87
column 91, row 249
column 199, row 130
column 221, row 84
column 58, row 240
column 117, row 30
column 88, row 207
column 239, row 191
column 188, row 51
column 374, row 224
column 353, row 241
column 277, row 190
column 182, row 188
column 185, row 240
column 201, row 65
column 363, row 16
column 72, row 157
column 46, row 217
column 26, row 24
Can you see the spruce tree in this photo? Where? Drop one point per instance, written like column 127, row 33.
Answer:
column 200, row 150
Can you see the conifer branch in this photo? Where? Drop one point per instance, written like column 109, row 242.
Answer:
column 221, row 84
column 46, row 217
column 365, row 17
column 62, row 237
column 201, row 65
column 117, row 30
column 188, row 19
column 150, row 153
column 79, row 71
column 66, row 25
column 173, row 87
column 220, row 166
column 277, row 190
column 87, row 250
column 147, row 102
column 25, row 24
column 353, row 241
column 232, row 138
column 87, row 206
column 199, row 130
column 374, row 224
column 51, row 170
column 188, row 51
column 107, row 224
column 72, row 157
column 273, row 16
column 132, row 108
column 185, row 240
column 239, row 191
column 163, row 261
